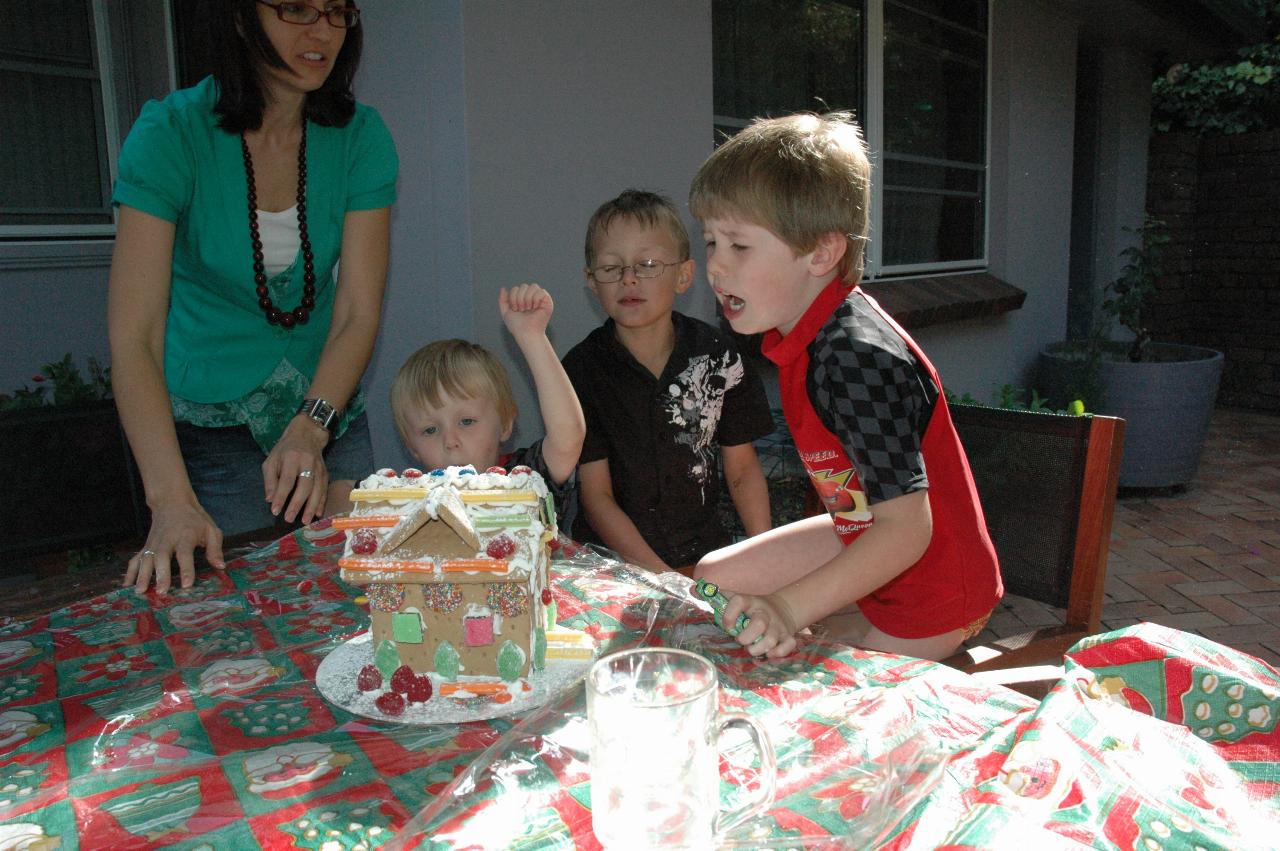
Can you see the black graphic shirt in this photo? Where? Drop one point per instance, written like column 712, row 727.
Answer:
column 662, row 436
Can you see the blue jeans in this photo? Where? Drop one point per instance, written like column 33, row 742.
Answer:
column 225, row 468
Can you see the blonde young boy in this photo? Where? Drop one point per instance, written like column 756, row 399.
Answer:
column 667, row 399
column 453, row 404
column 902, row 561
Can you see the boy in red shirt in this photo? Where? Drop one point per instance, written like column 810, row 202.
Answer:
column 902, row 561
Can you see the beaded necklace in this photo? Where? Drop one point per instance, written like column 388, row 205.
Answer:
column 300, row 314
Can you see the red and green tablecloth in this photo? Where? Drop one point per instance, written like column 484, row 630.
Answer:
column 192, row 721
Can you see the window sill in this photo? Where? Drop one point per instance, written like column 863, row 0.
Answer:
column 56, row 254
column 919, row 302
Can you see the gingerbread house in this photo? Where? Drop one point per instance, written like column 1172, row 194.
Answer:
column 454, row 565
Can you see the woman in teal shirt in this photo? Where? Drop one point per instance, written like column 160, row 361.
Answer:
column 236, row 350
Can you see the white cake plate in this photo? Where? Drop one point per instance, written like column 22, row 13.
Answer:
column 336, row 679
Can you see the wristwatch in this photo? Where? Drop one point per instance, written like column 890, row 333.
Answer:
column 320, row 412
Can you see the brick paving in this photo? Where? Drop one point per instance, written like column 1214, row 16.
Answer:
column 1205, row 560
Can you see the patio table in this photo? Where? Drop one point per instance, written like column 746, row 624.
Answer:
column 192, row 720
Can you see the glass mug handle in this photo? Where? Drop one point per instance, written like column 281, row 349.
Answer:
column 768, row 773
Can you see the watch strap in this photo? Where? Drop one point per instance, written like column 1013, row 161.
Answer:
column 321, row 412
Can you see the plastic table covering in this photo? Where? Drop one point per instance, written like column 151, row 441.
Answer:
column 193, row 721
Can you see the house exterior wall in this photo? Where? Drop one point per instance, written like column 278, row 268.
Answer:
column 515, row 120
column 1033, row 65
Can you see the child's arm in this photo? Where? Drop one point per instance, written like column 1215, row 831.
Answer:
column 896, row 540
column 747, row 487
column 608, row 519
column 526, row 310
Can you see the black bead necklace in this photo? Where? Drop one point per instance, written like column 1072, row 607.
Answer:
column 300, row 314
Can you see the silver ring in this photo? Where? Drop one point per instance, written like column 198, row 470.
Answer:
column 147, row 553
column 305, row 474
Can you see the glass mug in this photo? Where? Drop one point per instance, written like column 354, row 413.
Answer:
column 655, row 767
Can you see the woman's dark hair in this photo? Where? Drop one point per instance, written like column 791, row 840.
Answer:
column 241, row 47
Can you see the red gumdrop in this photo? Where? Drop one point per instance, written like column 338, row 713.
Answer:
column 546, row 596
column 369, row 678
column 419, row 690
column 496, row 469
column 501, row 546
column 401, row 678
column 363, row 542
column 412, row 473
column 387, row 473
column 390, row 703
column 520, row 468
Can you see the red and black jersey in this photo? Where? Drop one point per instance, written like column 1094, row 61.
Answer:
column 869, row 419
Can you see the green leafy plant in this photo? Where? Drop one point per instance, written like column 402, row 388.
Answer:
column 1127, row 297
column 61, row 383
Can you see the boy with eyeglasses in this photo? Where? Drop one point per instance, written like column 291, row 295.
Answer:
column 667, row 399
column 902, row 563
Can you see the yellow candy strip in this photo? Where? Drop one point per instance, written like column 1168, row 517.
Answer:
column 495, row 496
column 362, row 494
column 367, row 521
column 475, row 565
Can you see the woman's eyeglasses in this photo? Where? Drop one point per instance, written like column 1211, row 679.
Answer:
column 304, row 14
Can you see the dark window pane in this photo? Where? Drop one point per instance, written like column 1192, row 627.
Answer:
column 773, row 57
column 55, row 31
column 55, row 168
column 934, row 87
column 922, row 227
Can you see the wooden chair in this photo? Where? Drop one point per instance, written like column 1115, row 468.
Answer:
column 1048, row 487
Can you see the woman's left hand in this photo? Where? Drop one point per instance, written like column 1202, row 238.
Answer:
column 296, row 466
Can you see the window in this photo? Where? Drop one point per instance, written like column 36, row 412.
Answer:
column 72, row 78
column 914, row 73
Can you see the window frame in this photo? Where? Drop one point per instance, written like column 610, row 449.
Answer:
column 119, row 96
column 873, row 128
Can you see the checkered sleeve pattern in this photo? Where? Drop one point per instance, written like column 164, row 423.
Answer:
column 869, row 391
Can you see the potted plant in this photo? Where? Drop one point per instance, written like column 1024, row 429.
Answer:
column 70, row 481
column 1164, row 391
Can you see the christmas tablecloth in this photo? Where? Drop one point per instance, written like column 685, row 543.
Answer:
column 192, row 720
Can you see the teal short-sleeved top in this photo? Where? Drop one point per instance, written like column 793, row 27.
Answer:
column 178, row 165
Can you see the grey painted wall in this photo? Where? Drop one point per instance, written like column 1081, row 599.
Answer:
column 515, row 120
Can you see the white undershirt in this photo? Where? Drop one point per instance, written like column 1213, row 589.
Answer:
column 280, row 239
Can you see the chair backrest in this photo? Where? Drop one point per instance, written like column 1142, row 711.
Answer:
column 1047, row 483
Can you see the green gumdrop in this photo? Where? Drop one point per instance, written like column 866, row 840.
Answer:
column 448, row 663
column 510, row 661
column 539, row 649
column 1077, row 407
column 553, row 615
column 387, row 658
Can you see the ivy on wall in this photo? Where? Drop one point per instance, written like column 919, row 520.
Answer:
column 1235, row 95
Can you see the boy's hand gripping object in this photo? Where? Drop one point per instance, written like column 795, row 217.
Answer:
column 711, row 592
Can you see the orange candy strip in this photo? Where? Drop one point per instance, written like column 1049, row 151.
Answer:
column 476, row 689
column 380, row 565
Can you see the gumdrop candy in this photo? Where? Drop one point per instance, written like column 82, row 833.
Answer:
column 419, row 690
column 501, row 547
column 390, row 703
column 401, row 679
column 369, row 678
column 363, row 542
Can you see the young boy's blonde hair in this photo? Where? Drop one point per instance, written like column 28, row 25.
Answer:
column 801, row 177
column 457, row 367
column 648, row 208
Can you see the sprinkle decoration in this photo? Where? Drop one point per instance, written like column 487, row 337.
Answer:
column 385, row 596
column 443, row 598
column 508, row 598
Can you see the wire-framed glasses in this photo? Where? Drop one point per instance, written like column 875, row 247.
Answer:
column 612, row 273
column 341, row 15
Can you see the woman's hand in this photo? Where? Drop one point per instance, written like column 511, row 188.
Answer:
column 772, row 627
column 176, row 530
column 296, row 465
